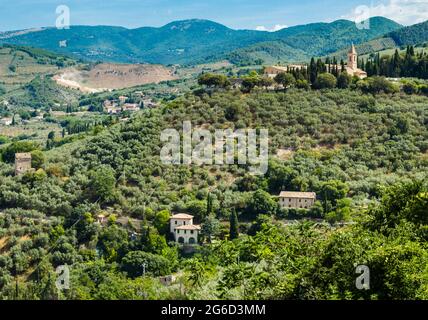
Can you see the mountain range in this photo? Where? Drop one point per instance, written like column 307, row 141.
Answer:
column 196, row 41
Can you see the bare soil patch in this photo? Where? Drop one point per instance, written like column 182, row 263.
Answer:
column 108, row 76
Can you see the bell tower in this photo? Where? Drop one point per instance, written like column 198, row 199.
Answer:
column 352, row 58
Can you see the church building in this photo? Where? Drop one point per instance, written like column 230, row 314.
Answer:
column 352, row 66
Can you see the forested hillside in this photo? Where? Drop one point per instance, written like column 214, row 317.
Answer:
column 196, row 41
column 412, row 35
column 20, row 65
column 364, row 155
column 415, row 35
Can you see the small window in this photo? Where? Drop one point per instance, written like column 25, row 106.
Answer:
column 185, row 231
column 191, row 231
column 175, row 221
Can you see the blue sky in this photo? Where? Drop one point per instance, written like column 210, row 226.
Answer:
column 237, row 14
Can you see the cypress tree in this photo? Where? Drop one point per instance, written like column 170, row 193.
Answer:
column 234, row 232
column 209, row 205
column 312, row 71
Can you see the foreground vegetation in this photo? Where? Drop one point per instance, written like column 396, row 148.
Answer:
column 364, row 155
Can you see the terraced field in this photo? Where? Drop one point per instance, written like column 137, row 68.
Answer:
column 18, row 67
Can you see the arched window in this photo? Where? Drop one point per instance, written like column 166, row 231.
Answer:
column 192, row 240
column 180, row 240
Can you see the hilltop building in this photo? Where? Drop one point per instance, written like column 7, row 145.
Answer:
column 185, row 232
column 352, row 66
column 297, row 200
column 22, row 163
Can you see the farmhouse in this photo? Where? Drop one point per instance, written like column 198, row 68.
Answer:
column 6, row 121
column 109, row 103
column 122, row 99
column 273, row 71
column 185, row 232
column 116, row 107
column 297, row 200
column 112, row 110
column 148, row 103
column 167, row 280
column 236, row 83
column 130, row 107
column 22, row 163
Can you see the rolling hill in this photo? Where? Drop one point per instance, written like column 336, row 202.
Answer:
column 415, row 35
column 25, row 78
column 196, row 41
column 412, row 35
column 269, row 52
column 20, row 65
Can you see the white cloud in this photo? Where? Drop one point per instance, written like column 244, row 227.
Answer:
column 273, row 29
column 406, row 12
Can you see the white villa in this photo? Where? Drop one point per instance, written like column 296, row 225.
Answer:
column 185, row 232
column 297, row 200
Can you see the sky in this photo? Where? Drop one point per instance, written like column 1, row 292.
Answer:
column 269, row 15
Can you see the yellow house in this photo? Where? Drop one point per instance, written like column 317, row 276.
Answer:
column 297, row 200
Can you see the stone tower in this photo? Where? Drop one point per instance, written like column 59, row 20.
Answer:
column 22, row 163
column 353, row 58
